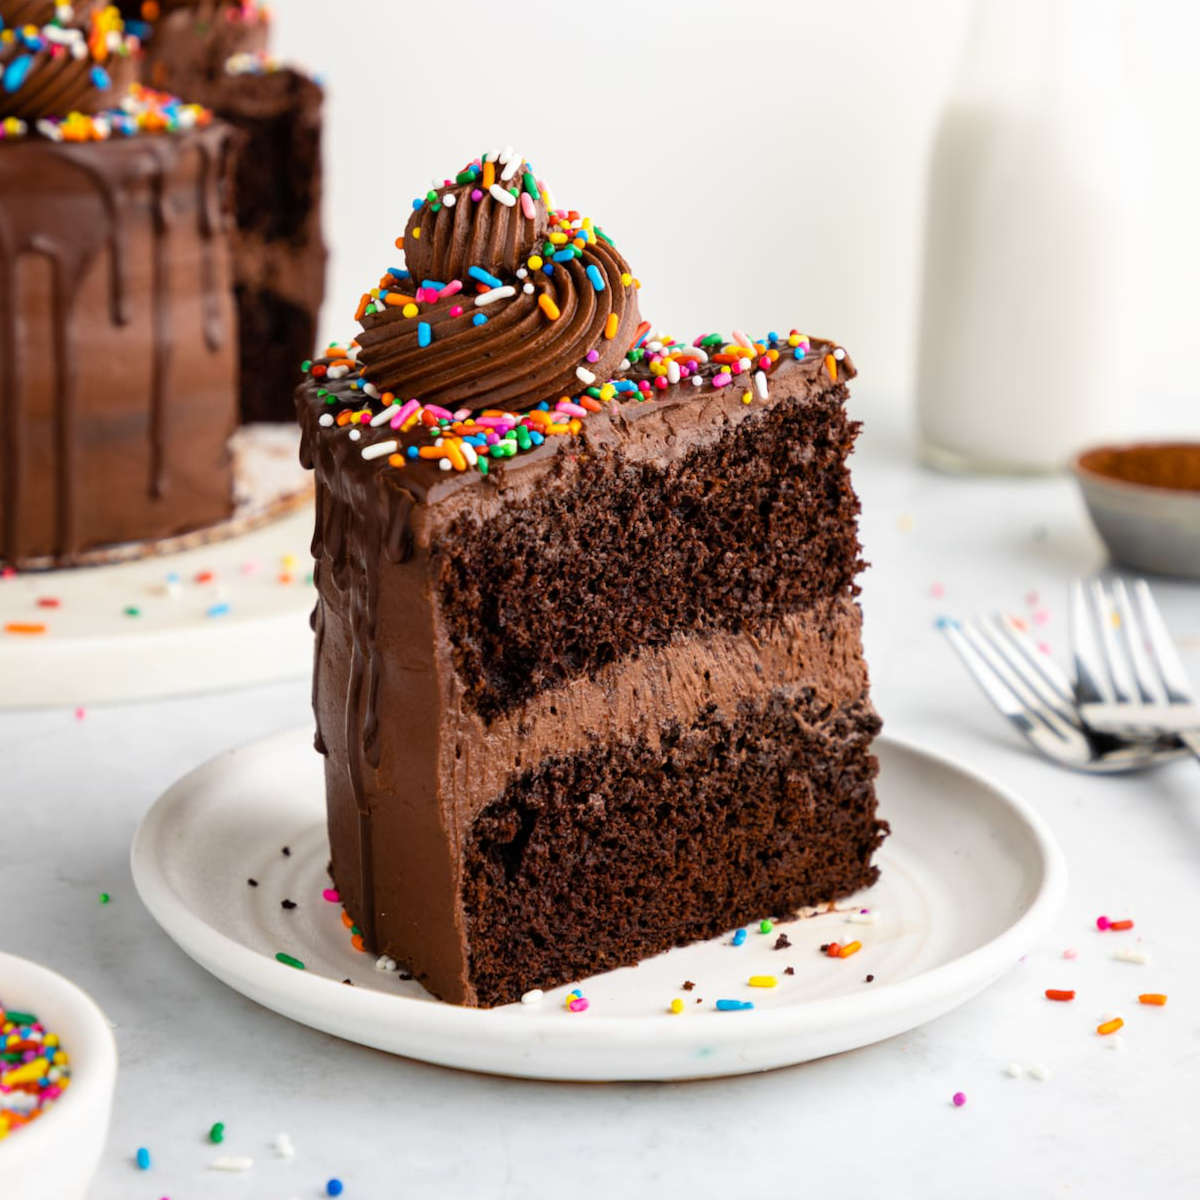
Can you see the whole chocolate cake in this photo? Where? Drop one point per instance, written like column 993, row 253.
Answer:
column 117, row 337
column 588, row 678
column 215, row 51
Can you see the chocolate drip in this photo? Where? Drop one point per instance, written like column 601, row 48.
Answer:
column 161, row 359
column 208, row 207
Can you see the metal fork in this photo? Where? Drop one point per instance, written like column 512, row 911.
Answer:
column 1026, row 686
column 1130, row 681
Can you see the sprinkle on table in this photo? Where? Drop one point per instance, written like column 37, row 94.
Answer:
column 288, row 960
column 763, row 981
column 1110, row 1026
column 676, row 1006
column 576, row 1001
column 734, row 1005
column 142, row 1158
column 765, row 926
column 1158, row 999
column 105, row 898
column 739, row 937
column 1060, row 994
column 958, row 1099
column 25, row 628
column 216, row 1132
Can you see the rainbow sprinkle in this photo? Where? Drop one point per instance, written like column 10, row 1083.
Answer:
column 34, row 1070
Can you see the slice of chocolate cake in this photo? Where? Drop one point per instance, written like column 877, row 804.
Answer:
column 588, row 677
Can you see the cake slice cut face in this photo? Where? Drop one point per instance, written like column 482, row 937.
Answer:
column 588, row 679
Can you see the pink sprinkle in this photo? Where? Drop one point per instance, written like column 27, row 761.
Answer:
column 937, row 591
column 331, row 895
column 661, row 382
column 764, row 363
column 1102, row 923
column 421, row 295
column 593, row 356
column 1031, row 598
column 439, row 412
column 1044, row 647
column 476, row 195
column 410, row 407
column 721, row 379
column 1070, row 952
column 566, row 406
column 959, row 1099
column 578, row 1005
column 527, row 206
column 80, row 713
column 456, row 311
column 249, row 567
column 496, row 422
column 364, row 418
column 1041, row 617
column 451, row 289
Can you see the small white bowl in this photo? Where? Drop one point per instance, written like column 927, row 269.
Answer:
column 55, row 1157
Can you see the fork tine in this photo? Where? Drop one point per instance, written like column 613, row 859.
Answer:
column 1028, row 697
column 1003, row 698
column 1162, row 650
column 1115, row 658
column 1133, row 640
column 1035, row 669
column 1092, row 684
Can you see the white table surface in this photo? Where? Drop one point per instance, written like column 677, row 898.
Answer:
column 875, row 1122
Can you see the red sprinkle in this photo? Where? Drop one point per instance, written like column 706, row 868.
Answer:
column 1120, row 924
column 204, row 577
column 1060, row 994
column 48, row 602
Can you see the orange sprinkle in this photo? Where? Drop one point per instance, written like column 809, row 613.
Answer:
column 489, row 175
column 610, row 326
column 395, row 460
column 590, row 404
column 1127, row 924
column 1060, row 994
column 727, row 358
column 1109, row 1026
column 434, row 452
column 1156, row 998
column 396, row 299
column 400, row 242
column 831, row 367
column 27, row 627
column 346, row 919
column 362, row 306
column 454, row 453
column 574, row 424
column 284, row 577
column 833, row 950
column 357, row 942
column 849, row 948
column 548, row 307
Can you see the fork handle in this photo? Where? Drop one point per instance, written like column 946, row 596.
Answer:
column 1191, row 739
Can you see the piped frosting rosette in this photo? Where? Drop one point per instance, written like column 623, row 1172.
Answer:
column 506, row 302
column 79, row 61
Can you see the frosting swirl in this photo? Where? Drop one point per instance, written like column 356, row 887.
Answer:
column 506, row 301
column 58, row 69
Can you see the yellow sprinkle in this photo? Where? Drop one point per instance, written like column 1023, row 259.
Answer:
column 746, row 397
column 534, row 262
column 677, row 1006
column 849, row 948
column 51, row 1039
column 416, row 231
column 410, row 310
column 793, row 339
column 611, row 325
column 548, row 307
column 763, row 981
column 288, row 561
column 29, row 1072
column 559, row 239
column 626, row 279
column 608, row 391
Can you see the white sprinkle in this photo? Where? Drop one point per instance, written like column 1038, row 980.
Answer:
column 585, row 375
column 385, row 963
column 624, row 364
column 510, row 167
column 500, row 293
column 355, row 434
column 337, row 372
column 692, row 352
column 492, row 155
column 839, row 354
column 743, row 364
column 654, row 347
column 697, row 381
column 461, row 414
column 503, row 195
column 449, row 200
column 1040, row 1072
column 371, row 390
column 325, row 420
column 1014, row 1070
column 858, row 918
column 533, row 996
column 506, row 153
column 1131, row 955
column 672, row 371
column 522, row 273
column 351, row 352
column 284, row 1147
column 760, row 386
column 444, row 464
column 231, row 1162
column 384, row 417
column 527, row 289
column 468, row 452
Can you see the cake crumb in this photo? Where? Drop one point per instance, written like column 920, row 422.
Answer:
column 789, row 970
column 288, row 904
column 782, row 942
column 287, row 852
column 688, row 985
column 252, row 882
column 869, row 979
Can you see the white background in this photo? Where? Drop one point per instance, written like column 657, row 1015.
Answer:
column 761, row 164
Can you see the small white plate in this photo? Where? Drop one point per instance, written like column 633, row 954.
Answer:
column 970, row 878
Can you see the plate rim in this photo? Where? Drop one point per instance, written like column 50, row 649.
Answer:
column 964, row 973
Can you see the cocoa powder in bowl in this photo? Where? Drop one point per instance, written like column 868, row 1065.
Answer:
column 1174, row 465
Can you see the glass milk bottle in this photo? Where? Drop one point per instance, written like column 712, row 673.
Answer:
column 1025, row 326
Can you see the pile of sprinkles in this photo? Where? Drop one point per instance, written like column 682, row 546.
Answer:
column 34, row 1069
column 141, row 111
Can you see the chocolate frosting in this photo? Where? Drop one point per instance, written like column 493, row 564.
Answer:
column 60, row 69
column 540, row 324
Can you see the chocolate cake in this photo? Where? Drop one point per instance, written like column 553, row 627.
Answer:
column 215, row 52
column 588, row 673
column 117, row 338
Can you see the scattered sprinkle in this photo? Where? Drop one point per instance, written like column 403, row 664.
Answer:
column 1040, row 1072
column 288, row 960
column 734, row 1005
column 1070, row 952
column 765, row 927
column 334, row 1187
column 1107, row 1027
column 959, row 1099
column 1130, row 954
column 1156, row 998
column 332, row 895
column 763, row 981
column 1014, row 1070
column 216, row 1134
column 676, row 1006
column 533, row 996
column 1059, row 994
column 739, row 937
column 142, row 1158
column 1102, row 923
column 576, row 1002
column 284, row 1147
column 231, row 1162
column 1120, row 925
column 105, row 898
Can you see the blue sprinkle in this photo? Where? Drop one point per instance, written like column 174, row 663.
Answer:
column 485, row 277
column 593, row 273
column 424, row 333
column 15, row 72
column 536, row 438
column 946, row 623
column 564, row 256
column 413, row 452
column 548, row 268
column 772, row 337
column 739, row 937
column 399, row 273
column 418, row 201
column 173, row 577
column 217, row 610
column 734, row 1005
column 433, row 285
column 798, row 352
column 100, row 78
column 478, row 319
column 544, row 406
column 143, row 1158
column 334, row 1187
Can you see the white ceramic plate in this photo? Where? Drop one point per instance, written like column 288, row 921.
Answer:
column 970, row 879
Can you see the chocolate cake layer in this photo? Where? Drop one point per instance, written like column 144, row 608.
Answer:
column 117, row 342
column 424, row 776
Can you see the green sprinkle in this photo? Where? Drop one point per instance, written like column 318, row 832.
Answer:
column 306, row 365
column 309, row 577
column 530, row 185
column 20, row 1018
column 132, row 610
column 370, row 310
column 481, row 463
column 467, row 176
column 431, row 195
column 594, row 392
column 523, row 438
column 765, row 927
column 435, row 207
column 355, row 931
column 601, row 233
column 713, row 339
column 289, row 961
column 217, row 1132
column 104, row 897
